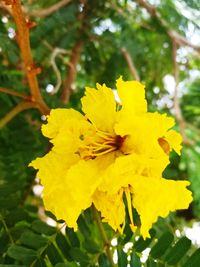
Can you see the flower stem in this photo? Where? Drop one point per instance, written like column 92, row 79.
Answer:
column 102, row 232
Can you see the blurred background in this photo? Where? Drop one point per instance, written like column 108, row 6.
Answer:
column 76, row 44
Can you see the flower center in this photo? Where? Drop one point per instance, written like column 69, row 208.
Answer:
column 100, row 144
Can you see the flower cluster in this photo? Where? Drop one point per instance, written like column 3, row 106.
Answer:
column 113, row 150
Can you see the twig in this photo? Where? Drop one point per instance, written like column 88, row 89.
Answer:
column 103, row 235
column 48, row 11
column 15, row 93
column 74, row 58
column 177, row 108
column 181, row 40
column 57, row 51
column 17, row 109
column 75, row 53
column 130, row 63
column 24, row 43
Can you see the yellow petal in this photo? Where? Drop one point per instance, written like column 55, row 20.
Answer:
column 111, row 208
column 121, row 172
column 60, row 203
column 100, row 107
column 174, row 139
column 69, row 138
column 57, row 118
column 54, row 165
column 52, row 168
column 117, row 174
column 157, row 197
column 80, row 181
column 143, row 133
column 132, row 96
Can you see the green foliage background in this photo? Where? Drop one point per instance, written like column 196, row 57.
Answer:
column 26, row 238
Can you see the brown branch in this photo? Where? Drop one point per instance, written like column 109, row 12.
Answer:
column 74, row 59
column 35, row 100
column 130, row 63
column 75, row 53
column 24, row 44
column 181, row 40
column 17, row 109
column 177, row 108
column 48, row 11
column 15, row 93
column 5, row 7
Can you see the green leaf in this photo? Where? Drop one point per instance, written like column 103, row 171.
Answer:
column 22, row 254
column 151, row 263
column 194, row 260
column 72, row 237
column 135, row 260
column 78, row 255
column 128, row 234
column 33, row 240
column 40, row 263
column 83, row 227
column 63, row 245
column 70, row 264
column 142, row 244
column 103, row 261
column 122, row 257
column 162, row 245
column 43, row 228
column 53, row 254
column 91, row 246
column 177, row 252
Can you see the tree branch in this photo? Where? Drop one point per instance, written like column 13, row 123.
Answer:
column 177, row 108
column 74, row 59
column 15, row 93
column 17, row 109
column 130, row 63
column 24, row 43
column 49, row 10
column 181, row 40
column 5, row 7
column 75, row 54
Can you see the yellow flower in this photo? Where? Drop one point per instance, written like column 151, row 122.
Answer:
column 115, row 149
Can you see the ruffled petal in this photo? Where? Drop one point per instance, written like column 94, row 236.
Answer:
column 52, row 168
column 100, row 107
column 132, row 96
column 111, row 208
column 117, row 175
column 57, row 119
column 70, row 136
column 81, row 181
column 54, row 165
column 143, row 133
column 174, row 139
column 154, row 197
column 122, row 171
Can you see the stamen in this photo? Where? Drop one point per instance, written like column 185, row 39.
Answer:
column 129, row 204
column 101, row 144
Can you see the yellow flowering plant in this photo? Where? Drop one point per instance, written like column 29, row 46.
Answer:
column 111, row 151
